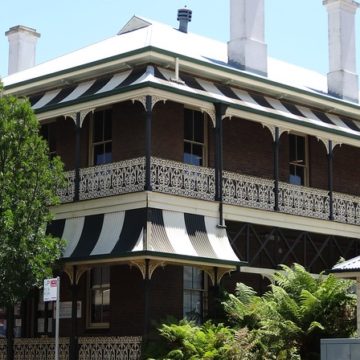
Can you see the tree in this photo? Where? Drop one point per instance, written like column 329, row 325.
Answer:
column 289, row 320
column 28, row 183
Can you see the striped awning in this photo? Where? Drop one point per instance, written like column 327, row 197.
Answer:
column 145, row 232
column 156, row 76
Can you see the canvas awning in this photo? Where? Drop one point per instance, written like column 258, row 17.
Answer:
column 193, row 86
column 173, row 237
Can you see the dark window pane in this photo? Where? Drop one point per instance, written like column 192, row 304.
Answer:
column 187, row 153
column 197, row 154
column 108, row 153
column 292, row 148
column 98, row 127
column 188, row 128
column 99, row 154
column 301, row 149
column 108, row 125
column 198, row 127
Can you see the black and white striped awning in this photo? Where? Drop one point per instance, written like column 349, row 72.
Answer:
column 150, row 75
column 144, row 232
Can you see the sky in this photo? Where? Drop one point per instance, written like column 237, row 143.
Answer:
column 295, row 30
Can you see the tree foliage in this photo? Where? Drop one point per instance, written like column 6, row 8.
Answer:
column 186, row 340
column 28, row 183
column 295, row 313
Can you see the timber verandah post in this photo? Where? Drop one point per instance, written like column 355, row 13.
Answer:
column 148, row 109
column 220, row 110
column 330, row 157
column 77, row 156
column 276, row 146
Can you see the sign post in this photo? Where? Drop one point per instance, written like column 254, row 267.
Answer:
column 52, row 293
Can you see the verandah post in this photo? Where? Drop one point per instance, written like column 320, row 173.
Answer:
column 148, row 185
column 276, row 146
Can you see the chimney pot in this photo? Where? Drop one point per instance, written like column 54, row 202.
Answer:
column 342, row 76
column 22, row 48
column 184, row 17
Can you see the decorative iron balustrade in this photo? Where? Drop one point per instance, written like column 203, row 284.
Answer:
column 346, row 208
column 304, row 201
column 115, row 348
column 248, row 191
column 198, row 182
column 40, row 348
column 182, row 179
column 67, row 193
column 112, row 179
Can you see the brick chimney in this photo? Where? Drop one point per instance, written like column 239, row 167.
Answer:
column 342, row 76
column 22, row 48
column 246, row 48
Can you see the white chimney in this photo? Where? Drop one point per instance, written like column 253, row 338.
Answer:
column 22, row 48
column 342, row 77
column 246, row 48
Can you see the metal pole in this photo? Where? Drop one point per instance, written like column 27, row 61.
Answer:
column 57, row 319
column 330, row 181
column 148, row 185
column 276, row 168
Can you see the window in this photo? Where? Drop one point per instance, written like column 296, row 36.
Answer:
column 194, row 138
column 99, row 297
column 297, row 160
column 102, row 137
column 194, row 294
column 48, row 132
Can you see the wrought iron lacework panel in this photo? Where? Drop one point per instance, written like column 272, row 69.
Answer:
column 248, row 191
column 304, row 201
column 115, row 348
column 40, row 349
column 263, row 246
column 112, row 179
column 346, row 208
column 198, row 182
column 182, row 179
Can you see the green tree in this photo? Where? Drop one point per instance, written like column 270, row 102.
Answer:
column 28, row 183
column 289, row 320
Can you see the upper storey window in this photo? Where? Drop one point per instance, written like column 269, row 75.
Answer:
column 102, row 137
column 194, row 138
column 297, row 160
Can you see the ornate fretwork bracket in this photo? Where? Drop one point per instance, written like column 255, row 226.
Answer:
column 272, row 129
column 211, row 113
column 327, row 144
column 154, row 100
column 153, row 265
column 80, row 270
column 215, row 274
column 83, row 114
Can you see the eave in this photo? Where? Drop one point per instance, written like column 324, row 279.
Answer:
column 219, row 73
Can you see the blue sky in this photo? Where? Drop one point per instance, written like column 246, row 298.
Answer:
column 296, row 31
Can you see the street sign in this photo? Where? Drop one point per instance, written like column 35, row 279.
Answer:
column 50, row 289
column 52, row 293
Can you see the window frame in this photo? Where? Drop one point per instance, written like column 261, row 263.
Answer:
column 306, row 159
column 203, row 291
column 92, row 143
column 50, row 135
column 192, row 142
column 89, row 291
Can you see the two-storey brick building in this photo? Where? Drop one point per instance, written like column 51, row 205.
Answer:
column 191, row 165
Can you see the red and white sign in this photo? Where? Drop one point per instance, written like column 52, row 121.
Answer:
column 50, row 289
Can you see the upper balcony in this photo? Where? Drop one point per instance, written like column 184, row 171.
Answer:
column 197, row 182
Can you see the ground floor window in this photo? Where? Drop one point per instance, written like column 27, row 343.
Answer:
column 195, row 295
column 99, row 297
